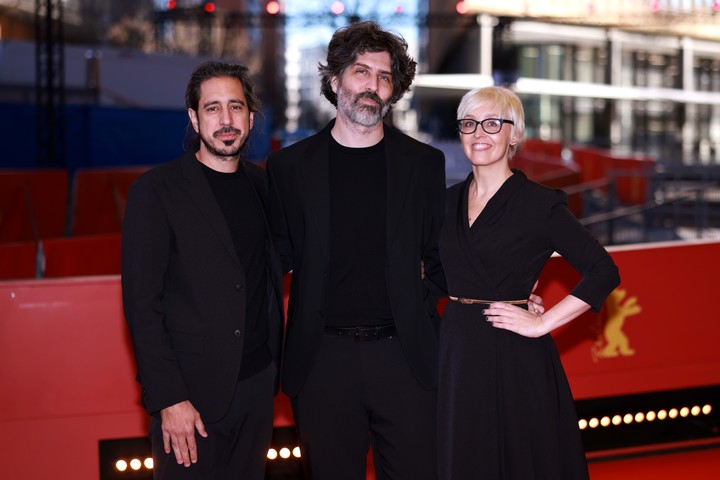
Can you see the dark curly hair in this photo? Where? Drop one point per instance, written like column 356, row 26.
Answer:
column 353, row 40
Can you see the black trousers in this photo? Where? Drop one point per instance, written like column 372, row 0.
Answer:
column 362, row 394
column 236, row 446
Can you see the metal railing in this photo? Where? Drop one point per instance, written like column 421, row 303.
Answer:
column 682, row 203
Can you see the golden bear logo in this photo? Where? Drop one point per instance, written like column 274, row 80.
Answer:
column 613, row 342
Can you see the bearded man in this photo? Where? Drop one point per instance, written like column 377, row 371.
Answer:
column 201, row 286
column 355, row 212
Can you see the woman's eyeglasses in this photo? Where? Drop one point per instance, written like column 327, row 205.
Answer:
column 489, row 125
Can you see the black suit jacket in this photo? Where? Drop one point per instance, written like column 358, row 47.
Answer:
column 299, row 206
column 184, row 288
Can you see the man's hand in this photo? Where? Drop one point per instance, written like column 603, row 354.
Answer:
column 179, row 422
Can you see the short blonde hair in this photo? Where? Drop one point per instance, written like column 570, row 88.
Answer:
column 508, row 104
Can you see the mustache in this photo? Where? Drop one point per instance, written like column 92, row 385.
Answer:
column 225, row 130
column 372, row 96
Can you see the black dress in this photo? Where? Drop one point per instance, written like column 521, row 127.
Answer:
column 505, row 406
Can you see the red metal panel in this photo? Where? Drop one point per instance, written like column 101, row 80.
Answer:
column 67, row 369
column 66, row 377
column 17, row 260
column 632, row 182
column 99, row 199
column 28, row 196
column 658, row 330
column 83, row 255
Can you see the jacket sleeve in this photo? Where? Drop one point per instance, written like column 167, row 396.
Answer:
column 277, row 218
column 434, row 213
column 577, row 245
column 146, row 240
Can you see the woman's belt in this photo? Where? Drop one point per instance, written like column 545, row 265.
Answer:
column 473, row 301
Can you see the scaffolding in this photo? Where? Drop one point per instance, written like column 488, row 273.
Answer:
column 50, row 83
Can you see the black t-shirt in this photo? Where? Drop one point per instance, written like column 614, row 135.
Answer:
column 357, row 289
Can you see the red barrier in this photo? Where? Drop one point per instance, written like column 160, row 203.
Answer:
column 66, row 377
column 28, row 196
column 83, row 255
column 99, row 197
column 594, row 165
column 658, row 330
column 633, row 171
column 17, row 260
column 552, row 172
column 67, row 370
column 550, row 149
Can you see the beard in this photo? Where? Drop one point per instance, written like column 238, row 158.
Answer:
column 360, row 113
column 227, row 148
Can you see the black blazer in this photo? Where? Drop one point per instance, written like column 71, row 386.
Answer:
column 299, row 212
column 184, row 288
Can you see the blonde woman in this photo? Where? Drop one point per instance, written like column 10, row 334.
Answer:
column 505, row 406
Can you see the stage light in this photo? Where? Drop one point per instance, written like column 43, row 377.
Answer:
column 171, row 4
column 273, row 7
column 651, row 419
column 125, row 458
column 461, row 7
column 337, row 8
column 284, row 454
column 210, row 7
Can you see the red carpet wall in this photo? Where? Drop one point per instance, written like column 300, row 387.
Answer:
column 67, row 371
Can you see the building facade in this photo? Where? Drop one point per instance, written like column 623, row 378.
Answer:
column 632, row 76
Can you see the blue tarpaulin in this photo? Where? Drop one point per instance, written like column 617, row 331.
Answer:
column 99, row 136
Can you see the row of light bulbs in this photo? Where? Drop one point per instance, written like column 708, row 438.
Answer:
column 134, row 464
column 284, row 453
column 639, row 417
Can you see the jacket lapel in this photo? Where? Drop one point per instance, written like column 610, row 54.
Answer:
column 491, row 214
column 466, row 234
column 199, row 190
column 314, row 183
column 400, row 172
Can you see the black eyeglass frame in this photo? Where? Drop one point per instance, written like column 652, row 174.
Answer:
column 502, row 121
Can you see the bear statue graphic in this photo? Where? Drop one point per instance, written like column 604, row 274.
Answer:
column 612, row 341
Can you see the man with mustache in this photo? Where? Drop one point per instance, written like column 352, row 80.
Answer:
column 355, row 211
column 202, row 291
